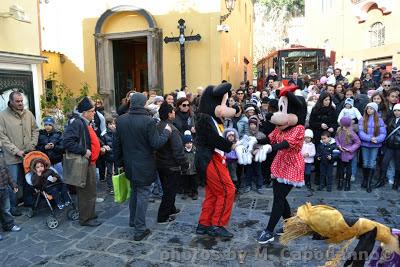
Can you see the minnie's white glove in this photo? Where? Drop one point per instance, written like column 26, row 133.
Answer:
column 261, row 154
column 252, row 141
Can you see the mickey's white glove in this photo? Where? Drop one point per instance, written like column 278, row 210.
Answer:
column 240, row 153
column 252, row 141
column 248, row 157
column 261, row 154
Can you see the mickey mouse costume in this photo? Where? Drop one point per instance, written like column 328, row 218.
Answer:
column 210, row 159
column 287, row 169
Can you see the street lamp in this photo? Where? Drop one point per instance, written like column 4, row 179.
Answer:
column 230, row 5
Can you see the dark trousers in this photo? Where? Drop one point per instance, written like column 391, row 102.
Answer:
column 325, row 172
column 58, row 192
column 390, row 154
column 253, row 174
column 138, row 203
column 280, row 205
column 6, row 219
column 239, row 174
column 344, row 168
column 87, row 196
column 110, row 171
column 25, row 191
column 169, row 180
column 101, row 164
column 190, row 184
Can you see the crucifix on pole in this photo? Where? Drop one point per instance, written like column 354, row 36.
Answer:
column 182, row 39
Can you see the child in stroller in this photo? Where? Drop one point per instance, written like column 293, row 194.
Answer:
column 46, row 179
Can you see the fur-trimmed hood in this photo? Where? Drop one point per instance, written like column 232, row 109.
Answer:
column 227, row 130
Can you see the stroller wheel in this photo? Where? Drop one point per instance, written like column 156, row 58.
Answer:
column 52, row 222
column 73, row 214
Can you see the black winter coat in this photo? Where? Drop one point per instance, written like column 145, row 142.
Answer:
column 325, row 115
column 325, row 150
column 108, row 140
column 207, row 139
column 394, row 140
column 76, row 131
column 136, row 140
column 183, row 122
column 56, row 154
column 171, row 155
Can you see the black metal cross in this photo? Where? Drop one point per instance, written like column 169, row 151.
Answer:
column 182, row 39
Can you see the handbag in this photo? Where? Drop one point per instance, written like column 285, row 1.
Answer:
column 122, row 187
column 75, row 167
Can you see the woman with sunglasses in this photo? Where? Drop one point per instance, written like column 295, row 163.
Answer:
column 184, row 116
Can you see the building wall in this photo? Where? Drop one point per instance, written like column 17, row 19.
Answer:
column 238, row 43
column 204, row 59
column 17, row 36
column 336, row 21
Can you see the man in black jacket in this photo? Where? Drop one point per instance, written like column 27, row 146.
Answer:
column 296, row 81
column 171, row 161
column 136, row 140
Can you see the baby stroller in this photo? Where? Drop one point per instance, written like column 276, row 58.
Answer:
column 51, row 221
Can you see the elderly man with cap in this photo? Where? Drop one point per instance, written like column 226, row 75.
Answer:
column 80, row 138
column 136, row 140
column 18, row 136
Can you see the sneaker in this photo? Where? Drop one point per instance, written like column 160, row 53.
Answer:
column 60, row 206
column 111, row 192
column 266, row 237
column 170, row 219
column 15, row 228
column 139, row 237
column 99, row 199
column 202, row 229
column 176, row 212
column 279, row 231
column 219, row 231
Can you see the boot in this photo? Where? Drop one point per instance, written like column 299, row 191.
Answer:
column 365, row 177
column 340, row 182
column 369, row 181
column 396, row 180
column 381, row 180
column 347, row 180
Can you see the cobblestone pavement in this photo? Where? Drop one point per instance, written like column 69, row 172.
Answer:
column 175, row 244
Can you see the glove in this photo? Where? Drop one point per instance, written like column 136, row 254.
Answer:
column 247, row 157
column 252, row 141
column 261, row 154
column 240, row 152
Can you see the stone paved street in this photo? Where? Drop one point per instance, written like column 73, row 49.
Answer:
column 175, row 244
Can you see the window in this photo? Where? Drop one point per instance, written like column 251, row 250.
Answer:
column 377, row 34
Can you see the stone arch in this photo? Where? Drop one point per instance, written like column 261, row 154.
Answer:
column 109, row 12
column 104, row 52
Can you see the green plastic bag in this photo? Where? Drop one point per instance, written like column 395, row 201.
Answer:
column 122, row 188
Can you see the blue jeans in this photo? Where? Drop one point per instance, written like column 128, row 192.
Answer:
column 369, row 156
column 138, row 203
column 253, row 174
column 354, row 163
column 391, row 171
column 25, row 191
column 6, row 219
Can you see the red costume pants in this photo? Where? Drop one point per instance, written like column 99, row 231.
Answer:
column 220, row 193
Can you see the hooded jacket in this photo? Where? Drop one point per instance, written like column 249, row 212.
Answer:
column 353, row 145
column 365, row 136
column 136, row 140
column 231, row 156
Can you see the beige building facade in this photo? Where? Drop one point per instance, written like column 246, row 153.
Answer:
column 20, row 52
column 361, row 32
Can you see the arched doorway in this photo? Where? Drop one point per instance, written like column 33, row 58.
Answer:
column 128, row 53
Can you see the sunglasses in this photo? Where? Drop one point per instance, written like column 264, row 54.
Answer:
column 185, row 105
column 46, row 124
column 387, row 85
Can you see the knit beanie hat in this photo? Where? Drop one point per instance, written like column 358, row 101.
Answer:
column 254, row 119
column 249, row 108
column 85, row 105
column 164, row 110
column 372, row 105
column 349, row 101
column 345, row 121
column 49, row 121
column 308, row 133
column 187, row 138
column 158, row 99
column 396, row 107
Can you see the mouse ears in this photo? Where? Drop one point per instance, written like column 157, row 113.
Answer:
column 222, row 89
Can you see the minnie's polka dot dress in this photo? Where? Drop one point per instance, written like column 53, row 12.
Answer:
column 288, row 164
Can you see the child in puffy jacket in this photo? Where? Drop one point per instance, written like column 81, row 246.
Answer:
column 348, row 143
column 308, row 152
column 231, row 158
column 190, row 180
column 107, row 140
